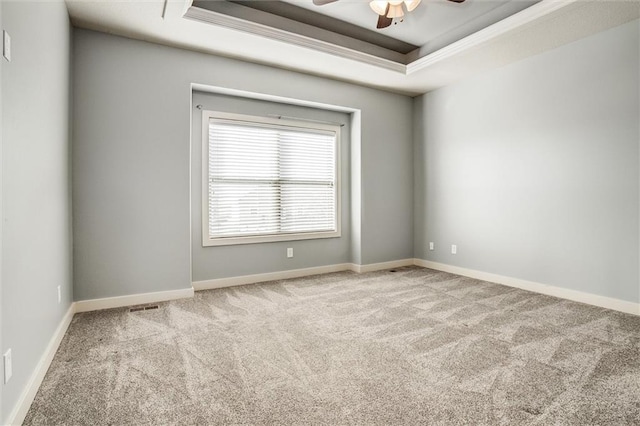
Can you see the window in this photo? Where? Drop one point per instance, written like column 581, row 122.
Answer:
column 267, row 179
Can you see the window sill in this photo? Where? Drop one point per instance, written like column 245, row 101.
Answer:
column 257, row 239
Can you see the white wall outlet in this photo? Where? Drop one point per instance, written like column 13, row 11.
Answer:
column 59, row 295
column 431, row 246
column 6, row 43
column 8, row 371
column 290, row 252
column 454, row 249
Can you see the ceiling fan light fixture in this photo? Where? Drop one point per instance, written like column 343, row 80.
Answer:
column 379, row 6
column 411, row 4
column 395, row 11
column 388, row 10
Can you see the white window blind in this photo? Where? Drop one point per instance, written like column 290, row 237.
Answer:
column 269, row 179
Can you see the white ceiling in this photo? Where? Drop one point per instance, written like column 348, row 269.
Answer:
column 431, row 20
column 543, row 26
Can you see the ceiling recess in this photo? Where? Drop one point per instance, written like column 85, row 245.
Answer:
column 446, row 51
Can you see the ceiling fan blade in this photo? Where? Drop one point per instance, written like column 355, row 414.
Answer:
column 455, row 1
column 323, row 2
column 383, row 21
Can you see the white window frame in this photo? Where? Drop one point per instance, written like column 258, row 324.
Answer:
column 267, row 122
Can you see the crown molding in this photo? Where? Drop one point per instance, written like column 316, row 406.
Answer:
column 531, row 14
column 543, row 26
column 528, row 15
column 231, row 22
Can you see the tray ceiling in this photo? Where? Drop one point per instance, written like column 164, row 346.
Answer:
column 437, row 44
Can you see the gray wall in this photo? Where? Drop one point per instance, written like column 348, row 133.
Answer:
column 1, row 215
column 532, row 169
column 228, row 261
column 132, row 122
column 36, row 234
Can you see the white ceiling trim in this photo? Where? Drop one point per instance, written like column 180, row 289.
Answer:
column 485, row 36
column 524, row 17
column 219, row 19
column 539, row 28
column 271, row 98
column 530, row 14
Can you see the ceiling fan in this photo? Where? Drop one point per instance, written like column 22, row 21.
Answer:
column 387, row 10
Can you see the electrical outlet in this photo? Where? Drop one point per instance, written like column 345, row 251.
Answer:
column 6, row 50
column 8, row 371
column 454, row 249
column 290, row 252
column 59, row 295
column 431, row 246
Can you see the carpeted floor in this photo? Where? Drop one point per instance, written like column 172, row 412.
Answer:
column 414, row 346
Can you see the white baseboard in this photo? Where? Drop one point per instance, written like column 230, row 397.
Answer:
column 381, row 266
column 26, row 398
column 549, row 290
column 31, row 389
column 297, row 273
column 268, row 276
column 133, row 299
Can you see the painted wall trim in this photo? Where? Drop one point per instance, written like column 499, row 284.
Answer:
column 382, row 265
column 297, row 273
column 21, row 409
column 269, row 276
column 226, row 21
column 31, row 389
column 132, row 299
column 549, row 290
column 532, row 14
column 486, row 35
column 221, row 90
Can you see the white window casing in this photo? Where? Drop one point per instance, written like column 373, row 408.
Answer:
column 268, row 179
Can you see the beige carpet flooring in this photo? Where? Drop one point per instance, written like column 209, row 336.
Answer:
column 415, row 346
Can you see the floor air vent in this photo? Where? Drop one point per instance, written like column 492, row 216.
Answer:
column 143, row 308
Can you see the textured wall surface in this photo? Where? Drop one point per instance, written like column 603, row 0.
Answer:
column 532, row 169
